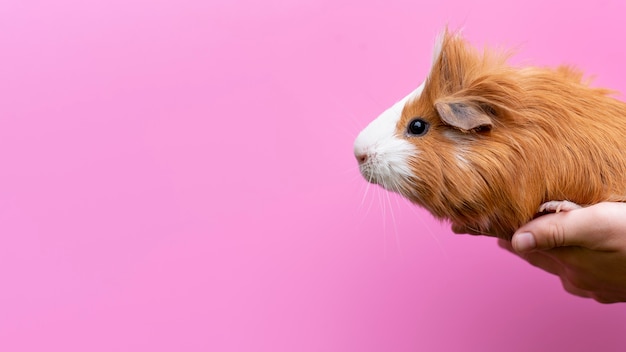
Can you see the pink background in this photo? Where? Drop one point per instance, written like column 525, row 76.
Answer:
column 177, row 175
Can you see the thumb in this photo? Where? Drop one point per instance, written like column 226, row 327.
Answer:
column 579, row 227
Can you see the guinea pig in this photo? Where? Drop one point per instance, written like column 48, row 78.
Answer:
column 487, row 145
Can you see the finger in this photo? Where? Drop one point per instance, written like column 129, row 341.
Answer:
column 544, row 262
column 607, row 297
column 579, row 227
column 504, row 244
column 538, row 259
column 573, row 289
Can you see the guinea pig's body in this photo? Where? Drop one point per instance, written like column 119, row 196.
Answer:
column 484, row 144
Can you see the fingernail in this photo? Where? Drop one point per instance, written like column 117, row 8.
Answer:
column 524, row 242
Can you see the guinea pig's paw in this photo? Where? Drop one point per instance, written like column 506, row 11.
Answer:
column 557, row 206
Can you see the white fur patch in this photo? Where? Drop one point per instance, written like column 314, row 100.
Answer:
column 462, row 143
column 386, row 153
column 437, row 47
column 461, row 161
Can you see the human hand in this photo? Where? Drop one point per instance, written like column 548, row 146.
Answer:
column 585, row 247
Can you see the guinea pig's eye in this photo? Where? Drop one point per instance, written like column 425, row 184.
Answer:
column 417, row 127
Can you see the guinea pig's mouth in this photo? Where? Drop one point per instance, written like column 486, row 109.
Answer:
column 368, row 174
column 385, row 163
column 376, row 174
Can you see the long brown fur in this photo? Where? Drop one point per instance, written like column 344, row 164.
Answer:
column 553, row 137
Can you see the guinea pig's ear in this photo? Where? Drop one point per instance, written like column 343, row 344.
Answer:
column 464, row 115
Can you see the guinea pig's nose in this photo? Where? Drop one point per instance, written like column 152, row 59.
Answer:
column 361, row 157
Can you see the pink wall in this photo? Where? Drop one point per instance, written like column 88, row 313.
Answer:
column 177, row 176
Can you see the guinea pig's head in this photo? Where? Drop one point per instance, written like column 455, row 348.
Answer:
column 437, row 146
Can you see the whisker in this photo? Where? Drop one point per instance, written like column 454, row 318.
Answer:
column 429, row 230
column 347, row 170
column 352, row 134
column 393, row 220
column 353, row 118
column 384, row 218
column 369, row 207
column 367, row 187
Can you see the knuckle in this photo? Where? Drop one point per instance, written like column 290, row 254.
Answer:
column 571, row 289
column 603, row 298
column 556, row 235
column 579, row 282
